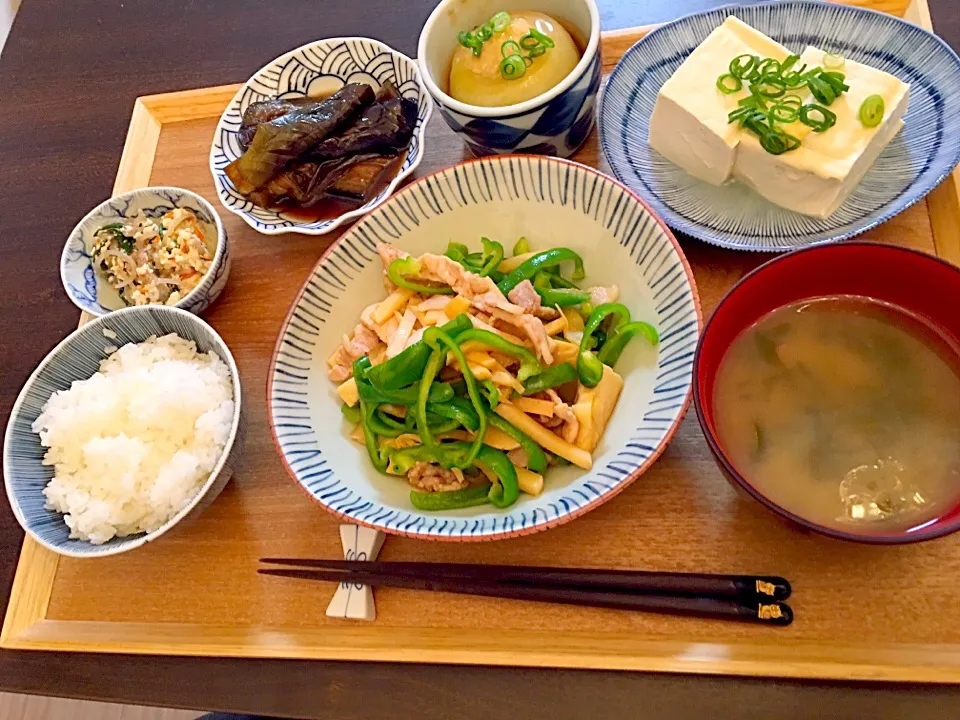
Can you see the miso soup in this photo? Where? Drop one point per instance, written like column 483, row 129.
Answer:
column 846, row 412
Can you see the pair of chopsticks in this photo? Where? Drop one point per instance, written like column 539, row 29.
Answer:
column 733, row 597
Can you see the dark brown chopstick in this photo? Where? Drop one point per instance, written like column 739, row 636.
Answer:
column 710, row 607
column 746, row 588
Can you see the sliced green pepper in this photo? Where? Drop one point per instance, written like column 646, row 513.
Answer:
column 438, row 392
column 562, row 297
column 536, row 457
column 610, row 352
column 492, row 256
column 491, row 393
column 351, row 414
column 455, row 500
column 457, row 251
column 441, row 342
column 407, row 367
column 521, row 247
column 401, row 267
column 460, row 410
column 529, row 365
column 550, row 378
column 542, row 261
column 455, row 454
column 378, row 457
column 589, row 366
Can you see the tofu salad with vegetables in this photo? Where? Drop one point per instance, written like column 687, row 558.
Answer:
column 153, row 260
column 479, row 372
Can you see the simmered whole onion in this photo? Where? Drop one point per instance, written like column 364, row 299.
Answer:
column 478, row 80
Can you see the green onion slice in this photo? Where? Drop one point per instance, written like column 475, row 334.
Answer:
column 821, row 90
column 788, row 63
column 545, row 40
column 871, row 111
column 513, row 67
column 728, row 84
column 500, row 21
column 784, row 113
column 832, row 61
column 777, row 142
column 537, row 51
column 769, row 89
column 527, row 61
column 484, row 32
column 509, row 48
column 742, row 65
column 529, row 42
column 819, row 124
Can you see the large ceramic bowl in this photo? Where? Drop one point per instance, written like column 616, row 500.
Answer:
column 920, row 284
column 918, row 158
column 557, row 122
column 86, row 285
column 317, row 69
column 553, row 203
column 77, row 358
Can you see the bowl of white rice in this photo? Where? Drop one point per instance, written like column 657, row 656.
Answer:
column 129, row 426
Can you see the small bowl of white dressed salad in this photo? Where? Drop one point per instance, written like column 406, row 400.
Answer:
column 151, row 246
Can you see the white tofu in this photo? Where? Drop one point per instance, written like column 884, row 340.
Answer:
column 816, row 178
column 689, row 123
column 689, row 126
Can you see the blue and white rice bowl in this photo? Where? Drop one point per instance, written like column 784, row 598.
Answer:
column 552, row 203
column 924, row 152
column 78, row 357
column 88, row 287
column 557, row 122
column 317, row 69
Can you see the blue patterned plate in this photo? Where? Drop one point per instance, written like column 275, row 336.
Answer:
column 317, row 69
column 553, row 203
column 920, row 156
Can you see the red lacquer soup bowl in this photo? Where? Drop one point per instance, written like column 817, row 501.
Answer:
column 921, row 284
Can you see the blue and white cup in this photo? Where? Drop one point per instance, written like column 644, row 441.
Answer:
column 557, row 122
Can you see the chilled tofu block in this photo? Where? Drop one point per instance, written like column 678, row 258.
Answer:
column 689, row 124
column 816, row 178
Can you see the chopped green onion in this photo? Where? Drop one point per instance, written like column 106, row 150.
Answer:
column 784, row 113
column 742, row 65
column 527, row 61
column 836, row 81
column 768, row 67
column 826, row 121
column 513, row 67
column 728, row 84
column 500, row 21
column 793, row 78
column 777, row 142
column 769, row 89
column 821, row 90
column 788, row 63
column 871, row 111
column 545, row 40
column 529, row 41
column 790, row 100
column 833, row 61
column 484, row 32
column 509, row 48
column 536, row 52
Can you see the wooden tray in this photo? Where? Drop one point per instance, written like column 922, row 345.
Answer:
column 862, row 612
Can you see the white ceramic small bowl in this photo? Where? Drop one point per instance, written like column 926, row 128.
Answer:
column 87, row 286
column 317, row 69
column 557, row 122
column 78, row 357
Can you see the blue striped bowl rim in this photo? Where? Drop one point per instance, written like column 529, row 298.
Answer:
column 922, row 154
column 526, row 185
column 271, row 81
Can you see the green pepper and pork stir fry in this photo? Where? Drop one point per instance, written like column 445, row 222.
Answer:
column 481, row 369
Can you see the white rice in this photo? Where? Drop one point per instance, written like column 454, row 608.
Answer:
column 133, row 444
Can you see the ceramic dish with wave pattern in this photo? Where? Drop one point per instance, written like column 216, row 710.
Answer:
column 317, row 70
column 552, row 203
column 733, row 215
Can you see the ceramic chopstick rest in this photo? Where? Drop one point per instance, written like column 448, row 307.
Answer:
column 352, row 601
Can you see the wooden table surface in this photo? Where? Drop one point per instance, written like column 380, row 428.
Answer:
column 68, row 78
